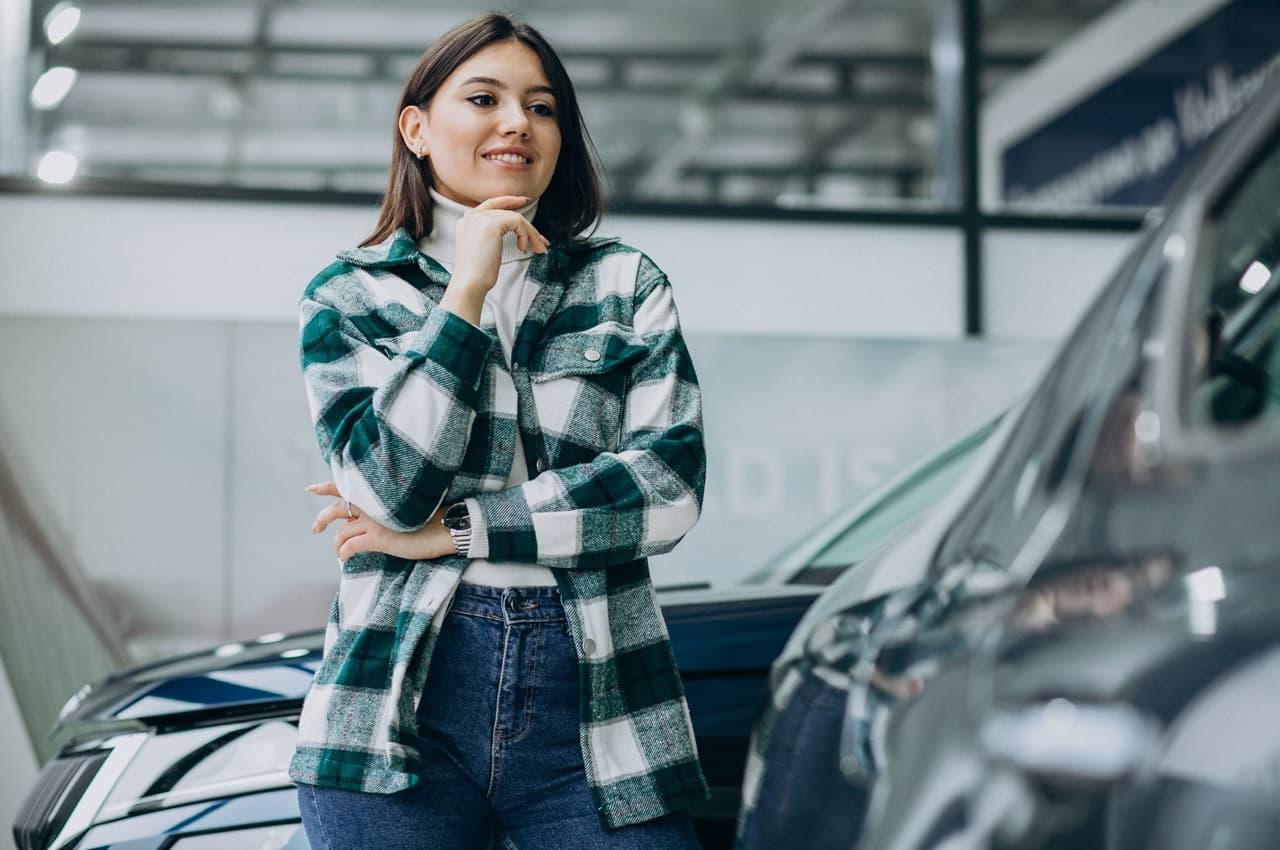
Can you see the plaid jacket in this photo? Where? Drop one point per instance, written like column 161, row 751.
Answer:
column 414, row 407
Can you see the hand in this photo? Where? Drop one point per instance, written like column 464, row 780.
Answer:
column 478, row 243
column 361, row 534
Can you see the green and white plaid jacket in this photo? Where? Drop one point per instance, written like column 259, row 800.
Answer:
column 415, row 407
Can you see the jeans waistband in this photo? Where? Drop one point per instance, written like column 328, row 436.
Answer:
column 536, row 604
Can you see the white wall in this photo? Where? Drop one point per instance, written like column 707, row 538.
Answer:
column 143, row 258
column 1036, row 283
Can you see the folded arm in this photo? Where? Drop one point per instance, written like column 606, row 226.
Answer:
column 623, row 505
column 392, row 429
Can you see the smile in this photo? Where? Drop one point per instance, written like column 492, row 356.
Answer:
column 509, row 160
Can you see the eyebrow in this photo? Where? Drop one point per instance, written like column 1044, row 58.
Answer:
column 490, row 81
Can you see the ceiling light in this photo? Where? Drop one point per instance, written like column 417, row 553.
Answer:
column 61, row 22
column 57, row 167
column 1255, row 277
column 52, row 87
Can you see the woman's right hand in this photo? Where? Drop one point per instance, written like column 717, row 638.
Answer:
column 478, row 244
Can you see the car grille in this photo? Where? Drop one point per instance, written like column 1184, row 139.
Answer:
column 57, row 790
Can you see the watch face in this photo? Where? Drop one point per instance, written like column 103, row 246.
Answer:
column 456, row 517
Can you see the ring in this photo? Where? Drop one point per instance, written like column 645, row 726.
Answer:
column 350, row 515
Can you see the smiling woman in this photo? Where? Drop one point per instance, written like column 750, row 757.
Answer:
column 514, row 426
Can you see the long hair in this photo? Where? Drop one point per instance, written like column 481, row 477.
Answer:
column 573, row 200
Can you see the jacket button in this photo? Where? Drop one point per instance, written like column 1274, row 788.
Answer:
column 589, row 646
column 591, row 354
column 541, row 465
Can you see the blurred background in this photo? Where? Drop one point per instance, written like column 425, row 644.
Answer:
column 907, row 203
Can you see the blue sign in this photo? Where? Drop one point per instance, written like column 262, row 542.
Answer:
column 1126, row 143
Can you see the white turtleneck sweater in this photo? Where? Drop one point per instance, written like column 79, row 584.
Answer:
column 504, row 308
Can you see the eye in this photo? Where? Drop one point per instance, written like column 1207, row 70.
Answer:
column 543, row 109
column 477, row 98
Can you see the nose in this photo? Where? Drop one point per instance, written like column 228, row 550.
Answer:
column 514, row 120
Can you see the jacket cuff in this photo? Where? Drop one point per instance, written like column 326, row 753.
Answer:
column 502, row 526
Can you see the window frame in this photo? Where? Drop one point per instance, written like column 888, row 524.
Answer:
column 1192, row 250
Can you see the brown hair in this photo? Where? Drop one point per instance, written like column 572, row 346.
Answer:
column 573, row 200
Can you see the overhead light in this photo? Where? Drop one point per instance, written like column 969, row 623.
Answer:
column 295, row 653
column 61, row 21
column 52, row 87
column 57, row 167
column 272, row 637
column 229, row 649
column 1255, row 277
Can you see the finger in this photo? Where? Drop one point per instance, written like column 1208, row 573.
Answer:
column 351, row 529
column 327, row 488
column 504, row 202
column 536, row 240
column 335, row 510
column 354, row 546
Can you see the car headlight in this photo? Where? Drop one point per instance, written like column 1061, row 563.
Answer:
column 50, row 802
column 1082, row 741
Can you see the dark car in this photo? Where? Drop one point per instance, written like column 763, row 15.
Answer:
column 1080, row 646
column 192, row 752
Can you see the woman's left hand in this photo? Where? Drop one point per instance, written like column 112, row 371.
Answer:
column 361, row 534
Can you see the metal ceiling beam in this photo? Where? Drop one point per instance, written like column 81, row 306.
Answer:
column 779, row 46
column 896, row 59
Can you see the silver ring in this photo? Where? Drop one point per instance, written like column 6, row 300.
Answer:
column 350, row 515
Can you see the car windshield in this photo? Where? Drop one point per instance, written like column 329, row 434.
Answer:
column 883, row 514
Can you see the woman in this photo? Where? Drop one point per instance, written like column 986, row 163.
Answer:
column 514, row 425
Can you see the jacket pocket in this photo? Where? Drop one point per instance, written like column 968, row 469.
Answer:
column 597, row 350
column 579, row 382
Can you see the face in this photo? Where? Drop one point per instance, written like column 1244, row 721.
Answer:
column 491, row 127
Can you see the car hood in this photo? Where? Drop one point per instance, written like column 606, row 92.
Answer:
column 712, row 629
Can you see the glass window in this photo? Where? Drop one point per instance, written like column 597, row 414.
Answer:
column 1235, row 344
column 888, row 512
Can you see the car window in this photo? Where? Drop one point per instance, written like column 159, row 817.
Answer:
column 870, row 530
column 893, row 510
column 1027, row 475
column 1235, row 344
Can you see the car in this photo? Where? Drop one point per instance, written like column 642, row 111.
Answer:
column 194, row 749
column 1078, row 647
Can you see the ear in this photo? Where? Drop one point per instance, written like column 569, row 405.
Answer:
column 413, row 129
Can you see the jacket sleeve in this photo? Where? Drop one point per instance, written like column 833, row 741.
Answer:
column 623, row 505
column 392, row 429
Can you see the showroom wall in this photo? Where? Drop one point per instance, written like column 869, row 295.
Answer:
column 150, row 378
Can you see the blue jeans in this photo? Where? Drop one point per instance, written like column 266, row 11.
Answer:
column 501, row 757
column 802, row 791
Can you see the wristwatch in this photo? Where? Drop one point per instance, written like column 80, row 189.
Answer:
column 458, row 520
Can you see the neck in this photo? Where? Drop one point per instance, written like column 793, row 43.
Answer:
column 445, row 215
